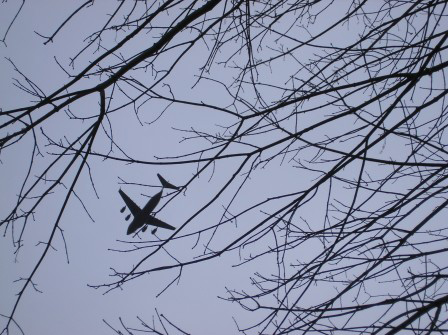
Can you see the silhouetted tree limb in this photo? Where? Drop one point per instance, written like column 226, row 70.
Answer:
column 343, row 107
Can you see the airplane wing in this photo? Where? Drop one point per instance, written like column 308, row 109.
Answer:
column 152, row 203
column 158, row 223
column 131, row 205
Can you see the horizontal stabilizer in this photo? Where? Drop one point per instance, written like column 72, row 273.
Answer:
column 166, row 183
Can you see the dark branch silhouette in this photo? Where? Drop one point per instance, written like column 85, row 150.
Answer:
column 319, row 128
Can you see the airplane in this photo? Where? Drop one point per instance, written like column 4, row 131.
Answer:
column 143, row 216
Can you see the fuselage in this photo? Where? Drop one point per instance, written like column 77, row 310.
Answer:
column 139, row 220
column 143, row 216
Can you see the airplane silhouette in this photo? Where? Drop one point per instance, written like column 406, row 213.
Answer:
column 143, row 216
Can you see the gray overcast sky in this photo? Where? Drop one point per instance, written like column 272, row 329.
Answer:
column 96, row 241
column 67, row 305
